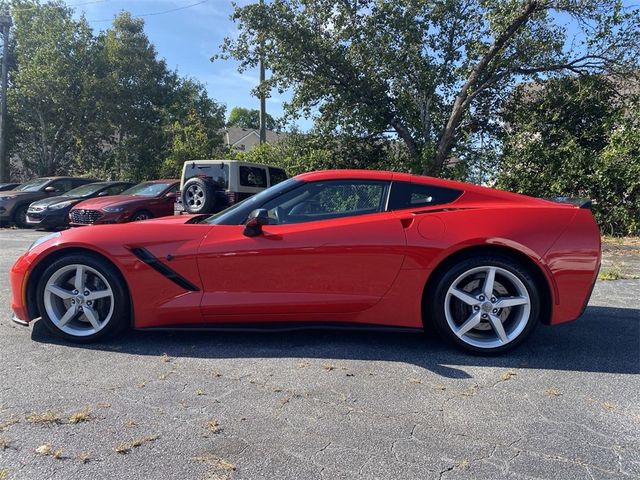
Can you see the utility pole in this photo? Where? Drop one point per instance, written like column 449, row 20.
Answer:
column 263, row 103
column 5, row 25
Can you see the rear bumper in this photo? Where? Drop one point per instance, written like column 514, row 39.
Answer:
column 574, row 261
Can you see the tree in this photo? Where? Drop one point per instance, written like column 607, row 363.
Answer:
column 193, row 123
column 428, row 71
column 247, row 118
column 576, row 138
column 50, row 85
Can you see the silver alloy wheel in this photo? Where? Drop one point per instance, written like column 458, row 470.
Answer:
column 78, row 300
column 487, row 307
column 194, row 196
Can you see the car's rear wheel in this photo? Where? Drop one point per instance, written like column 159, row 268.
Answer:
column 81, row 298
column 20, row 216
column 141, row 215
column 487, row 304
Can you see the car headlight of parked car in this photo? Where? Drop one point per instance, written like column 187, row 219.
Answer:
column 58, row 206
column 113, row 209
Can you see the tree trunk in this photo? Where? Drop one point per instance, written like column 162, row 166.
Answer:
column 407, row 138
column 463, row 99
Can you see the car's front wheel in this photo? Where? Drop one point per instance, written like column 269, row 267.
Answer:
column 486, row 304
column 81, row 298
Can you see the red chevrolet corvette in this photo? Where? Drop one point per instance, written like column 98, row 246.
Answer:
column 336, row 248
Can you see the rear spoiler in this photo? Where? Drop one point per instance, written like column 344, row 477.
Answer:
column 578, row 202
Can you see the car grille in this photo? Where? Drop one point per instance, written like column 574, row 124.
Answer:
column 84, row 216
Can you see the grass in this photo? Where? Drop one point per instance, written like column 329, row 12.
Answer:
column 552, row 392
column 84, row 457
column 213, row 426
column 81, row 416
column 613, row 272
column 5, row 425
column 5, row 443
column 45, row 417
column 48, row 451
column 128, row 447
column 508, row 375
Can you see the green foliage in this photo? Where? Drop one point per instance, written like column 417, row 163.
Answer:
column 299, row 153
column 101, row 105
column 433, row 72
column 250, row 118
column 577, row 138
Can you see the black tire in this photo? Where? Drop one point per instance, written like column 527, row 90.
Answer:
column 199, row 195
column 141, row 215
column 436, row 307
column 20, row 216
column 119, row 319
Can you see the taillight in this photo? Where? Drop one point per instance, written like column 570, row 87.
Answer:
column 232, row 197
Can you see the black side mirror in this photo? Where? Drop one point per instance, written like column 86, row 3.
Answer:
column 256, row 220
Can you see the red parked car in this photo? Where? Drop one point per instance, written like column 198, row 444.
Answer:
column 140, row 202
column 358, row 248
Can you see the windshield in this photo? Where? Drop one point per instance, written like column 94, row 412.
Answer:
column 33, row 185
column 85, row 190
column 237, row 214
column 148, row 189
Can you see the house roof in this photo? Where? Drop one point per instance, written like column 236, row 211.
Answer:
column 235, row 135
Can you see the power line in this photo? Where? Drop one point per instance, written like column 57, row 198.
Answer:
column 150, row 14
column 25, row 9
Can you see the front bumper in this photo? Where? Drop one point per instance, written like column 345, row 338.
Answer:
column 15, row 319
column 18, row 277
column 47, row 220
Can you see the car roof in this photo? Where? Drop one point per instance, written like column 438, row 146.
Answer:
column 111, row 182
column 164, row 180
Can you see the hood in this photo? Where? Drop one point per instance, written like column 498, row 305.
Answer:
column 111, row 201
column 45, row 202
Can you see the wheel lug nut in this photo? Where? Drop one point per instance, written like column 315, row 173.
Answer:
column 89, row 302
column 75, row 292
column 73, row 302
column 493, row 299
column 476, row 308
column 86, row 293
column 495, row 310
column 484, row 315
column 481, row 298
column 80, row 308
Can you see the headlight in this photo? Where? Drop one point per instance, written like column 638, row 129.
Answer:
column 58, row 206
column 8, row 197
column 46, row 238
column 113, row 209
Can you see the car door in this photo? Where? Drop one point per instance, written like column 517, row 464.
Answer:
column 331, row 250
column 162, row 206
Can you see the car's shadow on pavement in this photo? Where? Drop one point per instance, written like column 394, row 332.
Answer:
column 603, row 340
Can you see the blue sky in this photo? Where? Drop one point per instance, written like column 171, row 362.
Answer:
column 187, row 39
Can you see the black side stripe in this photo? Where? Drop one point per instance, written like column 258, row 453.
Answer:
column 147, row 257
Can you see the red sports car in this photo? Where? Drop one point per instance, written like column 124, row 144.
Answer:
column 140, row 202
column 335, row 248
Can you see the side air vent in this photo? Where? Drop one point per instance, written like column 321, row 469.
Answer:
column 147, row 257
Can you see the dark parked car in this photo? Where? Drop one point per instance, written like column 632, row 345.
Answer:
column 7, row 186
column 53, row 212
column 14, row 203
column 140, row 202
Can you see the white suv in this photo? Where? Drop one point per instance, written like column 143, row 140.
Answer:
column 209, row 186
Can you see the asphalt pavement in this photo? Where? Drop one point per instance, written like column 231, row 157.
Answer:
column 321, row 405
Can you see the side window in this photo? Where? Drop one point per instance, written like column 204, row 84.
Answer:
column 277, row 175
column 415, row 195
column 62, row 186
column 253, row 177
column 116, row 189
column 77, row 182
column 326, row 200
